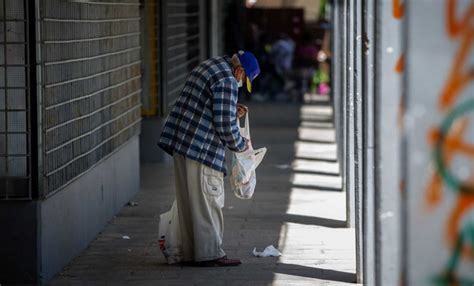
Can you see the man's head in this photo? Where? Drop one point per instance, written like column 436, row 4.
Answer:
column 246, row 68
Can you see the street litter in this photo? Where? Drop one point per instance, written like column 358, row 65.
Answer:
column 283, row 167
column 268, row 251
column 132, row 204
column 125, row 237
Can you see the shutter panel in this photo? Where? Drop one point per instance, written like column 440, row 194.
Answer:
column 182, row 45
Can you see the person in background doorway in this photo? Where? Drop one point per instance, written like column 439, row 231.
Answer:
column 306, row 62
column 281, row 55
column 202, row 122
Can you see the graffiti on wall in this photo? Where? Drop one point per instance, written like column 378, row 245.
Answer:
column 448, row 141
column 398, row 11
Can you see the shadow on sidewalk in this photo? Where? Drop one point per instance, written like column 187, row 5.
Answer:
column 318, row 273
column 311, row 220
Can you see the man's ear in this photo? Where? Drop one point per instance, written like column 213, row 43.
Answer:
column 240, row 72
column 236, row 72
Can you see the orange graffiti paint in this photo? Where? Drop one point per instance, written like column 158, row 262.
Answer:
column 398, row 9
column 455, row 143
column 400, row 66
column 458, row 78
column 464, row 203
column 455, row 27
column 401, row 113
column 402, row 186
column 434, row 193
column 468, row 252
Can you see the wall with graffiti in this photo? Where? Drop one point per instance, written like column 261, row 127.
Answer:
column 439, row 126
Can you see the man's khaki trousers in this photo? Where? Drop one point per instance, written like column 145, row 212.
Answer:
column 200, row 198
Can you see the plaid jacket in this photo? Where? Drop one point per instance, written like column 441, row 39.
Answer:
column 204, row 118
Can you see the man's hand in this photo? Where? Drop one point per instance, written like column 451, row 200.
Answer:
column 248, row 145
column 241, row 110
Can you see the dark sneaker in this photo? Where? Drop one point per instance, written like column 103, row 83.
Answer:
column 220, row 262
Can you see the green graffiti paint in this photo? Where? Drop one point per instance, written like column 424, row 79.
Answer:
column 449, row 178
column 449, row 277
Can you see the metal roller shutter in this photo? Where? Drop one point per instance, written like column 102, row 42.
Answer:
column 182, row 44
column 15, row 101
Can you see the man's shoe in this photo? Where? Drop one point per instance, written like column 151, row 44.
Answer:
column 220, row 262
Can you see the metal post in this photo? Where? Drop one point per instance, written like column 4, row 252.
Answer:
column 336, row 78
column 368, row 143
column 349, row 116
column 388, row 82
column 353, row 149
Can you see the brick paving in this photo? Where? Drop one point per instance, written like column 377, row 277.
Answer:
column 298, row 207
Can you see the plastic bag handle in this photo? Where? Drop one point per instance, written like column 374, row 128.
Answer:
column 246, row 129
column 247, row 124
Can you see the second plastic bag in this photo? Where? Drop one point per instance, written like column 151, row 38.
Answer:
column 170, row 236
column 243, row 178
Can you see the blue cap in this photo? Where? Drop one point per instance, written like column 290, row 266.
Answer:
column 250, row 64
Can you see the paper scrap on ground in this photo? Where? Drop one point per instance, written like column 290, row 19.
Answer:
column 125, row 237
column 283, row 167
column 268, row 251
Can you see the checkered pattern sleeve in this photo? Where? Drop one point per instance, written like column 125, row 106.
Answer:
column 224, row 109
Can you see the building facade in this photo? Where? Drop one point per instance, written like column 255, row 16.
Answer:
column 76, row 77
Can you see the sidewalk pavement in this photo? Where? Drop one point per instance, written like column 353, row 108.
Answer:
column 298, row 207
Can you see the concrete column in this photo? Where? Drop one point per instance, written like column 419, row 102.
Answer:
column 204, row 29
column 215, row 29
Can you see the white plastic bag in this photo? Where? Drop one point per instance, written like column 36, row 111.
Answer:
column 170, row 236
column 243, row 178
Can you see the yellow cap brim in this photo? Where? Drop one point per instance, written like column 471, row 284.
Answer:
column 249, row 85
